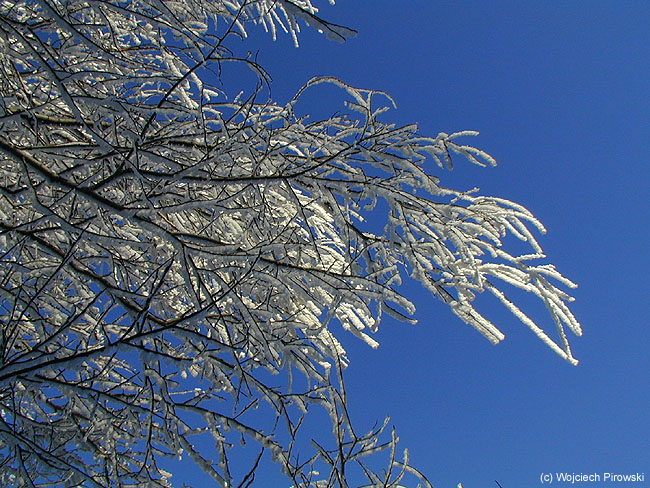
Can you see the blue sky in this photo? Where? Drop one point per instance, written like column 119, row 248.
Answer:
column 560, row 92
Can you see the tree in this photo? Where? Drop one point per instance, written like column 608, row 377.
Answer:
column 166, row 245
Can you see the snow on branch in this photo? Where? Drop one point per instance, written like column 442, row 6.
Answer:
column 165, row 249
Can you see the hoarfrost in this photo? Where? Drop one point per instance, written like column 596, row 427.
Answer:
column 167, row 248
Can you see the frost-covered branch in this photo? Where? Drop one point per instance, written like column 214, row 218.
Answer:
column 166, row 248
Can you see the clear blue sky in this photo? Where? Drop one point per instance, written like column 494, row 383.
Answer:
column 560, row 92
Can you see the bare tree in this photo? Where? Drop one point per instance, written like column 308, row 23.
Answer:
column 166, row 247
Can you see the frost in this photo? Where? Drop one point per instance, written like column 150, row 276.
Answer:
column 178, row 263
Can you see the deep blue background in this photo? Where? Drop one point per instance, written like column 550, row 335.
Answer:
column 560, row 94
